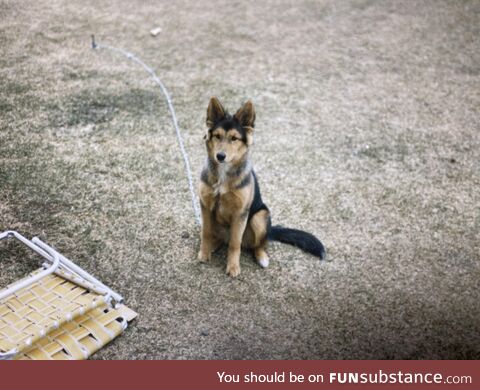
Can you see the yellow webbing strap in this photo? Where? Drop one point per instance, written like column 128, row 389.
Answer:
column 82, row 337
column 57, row 319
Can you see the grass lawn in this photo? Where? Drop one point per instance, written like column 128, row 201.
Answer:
column 367, row 135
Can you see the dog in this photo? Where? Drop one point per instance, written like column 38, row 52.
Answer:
column 231, row 204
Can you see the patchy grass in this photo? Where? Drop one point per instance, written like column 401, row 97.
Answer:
column 367, row 135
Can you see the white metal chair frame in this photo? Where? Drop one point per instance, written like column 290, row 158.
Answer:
column 60, row 265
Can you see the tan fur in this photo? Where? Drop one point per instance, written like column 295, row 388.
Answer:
column 225, row 206
column 224, row 217
column 256, row 231
column 230, row 143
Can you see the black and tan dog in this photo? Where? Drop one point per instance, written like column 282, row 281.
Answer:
column 232, row 208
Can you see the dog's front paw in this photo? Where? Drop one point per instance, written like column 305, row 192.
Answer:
column 233, row 269
column 204, row 256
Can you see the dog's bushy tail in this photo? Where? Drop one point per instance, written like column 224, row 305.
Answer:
column 303, row 240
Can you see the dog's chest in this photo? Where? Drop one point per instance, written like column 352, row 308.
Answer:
column 225, row 207
column 219, row 189
column 227, row 200
column 221, row 186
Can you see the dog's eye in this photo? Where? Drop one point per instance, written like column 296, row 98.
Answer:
column 233, row 139
column 216, row 136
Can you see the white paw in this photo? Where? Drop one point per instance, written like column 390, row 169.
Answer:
column 263, row 262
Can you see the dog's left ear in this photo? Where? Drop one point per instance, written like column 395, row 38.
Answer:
column 246, row 116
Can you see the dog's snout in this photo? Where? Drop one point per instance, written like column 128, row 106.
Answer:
column 221, row 156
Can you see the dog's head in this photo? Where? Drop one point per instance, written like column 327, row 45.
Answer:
column 229, row 137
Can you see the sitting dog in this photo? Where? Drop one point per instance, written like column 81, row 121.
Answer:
column 232, row 208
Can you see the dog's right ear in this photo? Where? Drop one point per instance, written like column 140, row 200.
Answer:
column 215, row 112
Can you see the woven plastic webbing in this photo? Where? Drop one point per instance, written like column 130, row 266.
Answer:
column 56, row 319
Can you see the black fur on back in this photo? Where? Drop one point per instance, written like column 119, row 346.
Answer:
column 257, row 203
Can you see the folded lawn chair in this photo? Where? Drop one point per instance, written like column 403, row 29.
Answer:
column 59, row 311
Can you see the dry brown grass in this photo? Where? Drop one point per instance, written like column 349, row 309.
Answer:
column 367, row 121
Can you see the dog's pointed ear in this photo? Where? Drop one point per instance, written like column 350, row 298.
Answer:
column 215, row 112
column 246, row 115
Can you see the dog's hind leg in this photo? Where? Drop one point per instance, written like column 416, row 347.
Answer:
column 258, row 228
column 262, row 257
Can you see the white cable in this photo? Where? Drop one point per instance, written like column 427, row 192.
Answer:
column 131, row 56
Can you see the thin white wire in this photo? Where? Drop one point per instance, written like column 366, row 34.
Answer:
column 131, row 56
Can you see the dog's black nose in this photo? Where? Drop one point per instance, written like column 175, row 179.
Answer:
column 221, row 156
